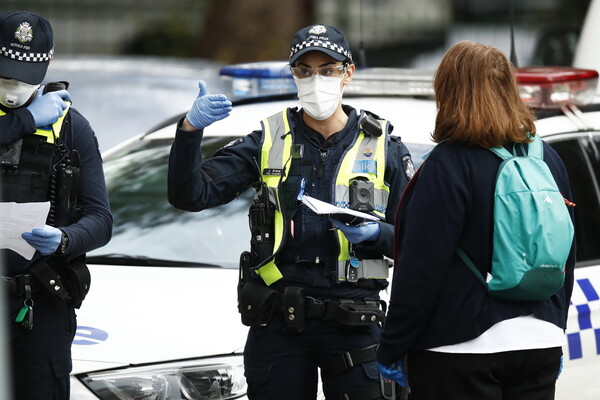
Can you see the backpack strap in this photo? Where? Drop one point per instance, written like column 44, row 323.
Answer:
column 461, row 253
column 534, row 149
column 501, row 152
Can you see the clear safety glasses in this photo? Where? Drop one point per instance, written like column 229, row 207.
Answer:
column 327, row 70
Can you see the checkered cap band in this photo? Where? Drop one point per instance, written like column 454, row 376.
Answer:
column 27, row 57
column 323, row 44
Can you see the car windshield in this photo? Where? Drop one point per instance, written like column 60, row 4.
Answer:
column 147, row 227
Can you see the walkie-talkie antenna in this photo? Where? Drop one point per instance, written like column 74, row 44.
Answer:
column 513, row 53
column 362, row 58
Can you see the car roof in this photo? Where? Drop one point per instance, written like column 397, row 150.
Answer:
column 412, row 118
column 403, row 96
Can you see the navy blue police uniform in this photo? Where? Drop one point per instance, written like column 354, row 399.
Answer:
column 281, row 362
column 51, row 285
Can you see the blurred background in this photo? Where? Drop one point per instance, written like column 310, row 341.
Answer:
column 393, row 32
column 121, row 50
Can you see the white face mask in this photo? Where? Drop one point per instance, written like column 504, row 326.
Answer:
column 320, row 95
column 15, row 93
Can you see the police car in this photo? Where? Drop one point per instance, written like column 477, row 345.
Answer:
column 161, row 320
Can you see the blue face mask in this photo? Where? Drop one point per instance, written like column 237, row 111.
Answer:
column 15, row 93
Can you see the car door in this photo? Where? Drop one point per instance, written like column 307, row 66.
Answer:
column 580, row 153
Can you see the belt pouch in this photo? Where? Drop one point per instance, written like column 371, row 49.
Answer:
column 77, row 279
column 256, row 303
column 51, row 282
column 294, row 309
column 353, row 314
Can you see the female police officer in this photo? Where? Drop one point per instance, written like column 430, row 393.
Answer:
column 48, row 152
column 310, row 293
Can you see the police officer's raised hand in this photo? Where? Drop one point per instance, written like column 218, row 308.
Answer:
column 47, row 109
column 394, row 372
column 358, row 233
column 207, row 108
column 45, row 240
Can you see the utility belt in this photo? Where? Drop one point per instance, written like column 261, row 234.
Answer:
column 16, row 285
column 70, row 285
column 258, row 303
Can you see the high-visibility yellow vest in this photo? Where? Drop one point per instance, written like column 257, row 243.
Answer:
column 364, row 159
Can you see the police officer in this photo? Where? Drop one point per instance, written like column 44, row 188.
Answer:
column 310, row 287
column 48, row 153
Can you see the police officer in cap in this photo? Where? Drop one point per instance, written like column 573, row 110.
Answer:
column 48, row 153
column 310, row 284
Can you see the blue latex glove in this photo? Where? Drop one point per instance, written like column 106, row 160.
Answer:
column 208, row 108
column 358, row 233
column 47, row 109
column 394, row 372
column 44, row 240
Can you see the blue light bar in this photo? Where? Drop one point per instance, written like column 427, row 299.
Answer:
column 267, row 69
column 271, row 78
column 258, row 79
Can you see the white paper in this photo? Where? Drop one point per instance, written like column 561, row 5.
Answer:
column 321, row 207
column 18, row 218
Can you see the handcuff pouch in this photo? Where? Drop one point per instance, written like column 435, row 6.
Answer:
column 257, row 303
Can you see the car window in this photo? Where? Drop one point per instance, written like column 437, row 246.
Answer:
column 582, row 160
column 147, row 226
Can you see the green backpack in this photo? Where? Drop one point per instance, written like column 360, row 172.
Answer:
column 533, row 231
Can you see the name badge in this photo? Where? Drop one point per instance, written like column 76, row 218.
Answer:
column 273, row 171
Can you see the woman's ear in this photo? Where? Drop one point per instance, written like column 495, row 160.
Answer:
column 349, row 74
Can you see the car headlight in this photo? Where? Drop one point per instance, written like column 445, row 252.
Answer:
column 213, row 378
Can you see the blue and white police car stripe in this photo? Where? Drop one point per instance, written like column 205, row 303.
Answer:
column 584, row 338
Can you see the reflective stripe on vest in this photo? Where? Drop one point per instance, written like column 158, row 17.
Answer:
column 48, row 132
column 359, row 161
column 368, row 269
column 365, row 159
column 274, row 166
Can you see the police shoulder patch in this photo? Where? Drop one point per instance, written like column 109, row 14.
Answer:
column 409, row 166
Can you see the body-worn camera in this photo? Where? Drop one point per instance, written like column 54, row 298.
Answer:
column 361, row 195
column 55, row 86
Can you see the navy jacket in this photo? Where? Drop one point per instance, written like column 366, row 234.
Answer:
column 94, row 228
column 196, row 184
column 436, row 300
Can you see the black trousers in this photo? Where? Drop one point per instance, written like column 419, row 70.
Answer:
column 511, row 375
column 41, row 357
column 284, row 366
